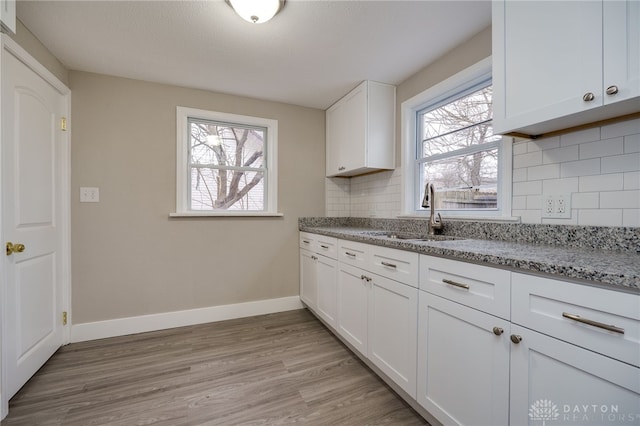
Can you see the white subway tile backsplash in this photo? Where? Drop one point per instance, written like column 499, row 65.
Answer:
column 581, row 136
column 632, row 180
column 519, row 202
column 585, row 200
column 631, row 217
column 534, row 202
column 610, row 182
column 632, row 143
column 580, row 168
column 620, row 199
column 603, row 148
column 621, row 163
column 600, row 217
column 561, row 155
column 560, row 186
column 549, row 171
column 520, row 147
column 527, row 188
column 623, row 128
column 528, row 216
column 527, row 160
column 544, row 144
column 519, row 175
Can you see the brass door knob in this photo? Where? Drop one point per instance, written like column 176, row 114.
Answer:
column 516, row 338
column 497, row 331
column 14, row 248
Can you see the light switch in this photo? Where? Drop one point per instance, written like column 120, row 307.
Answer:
column 89, row 195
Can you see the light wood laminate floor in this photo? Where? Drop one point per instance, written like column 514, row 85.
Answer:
column 284, row 368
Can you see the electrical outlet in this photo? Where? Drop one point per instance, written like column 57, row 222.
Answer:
column 556, row 206
column 549, row 204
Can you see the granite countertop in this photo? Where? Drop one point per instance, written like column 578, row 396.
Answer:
column 616, row 269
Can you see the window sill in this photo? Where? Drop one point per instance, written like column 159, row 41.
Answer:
column 225, row 214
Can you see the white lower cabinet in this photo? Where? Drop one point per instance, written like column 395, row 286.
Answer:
column 393, row 324
column 562, row 384
column 318, row 279
column 378, row 317
column 463, row 363
column 308, row 279
column 352, row 306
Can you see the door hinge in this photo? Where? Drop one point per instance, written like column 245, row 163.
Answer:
column 64, row 318
column 63, row 124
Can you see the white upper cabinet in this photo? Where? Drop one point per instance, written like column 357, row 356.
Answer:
column 562, row 64
column 8, row 15
column 361, row 131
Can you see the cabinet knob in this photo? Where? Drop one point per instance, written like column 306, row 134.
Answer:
column 341, row 168
column 497, row 331
column 516, row 339
column 588, row 97
column 612, row 90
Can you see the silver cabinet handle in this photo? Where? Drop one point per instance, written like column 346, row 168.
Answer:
column 612, row 90
column 497, row 331
column 306, row 241
column 314, row 258
column 588, row 97
column 578, row 318
column 349, row 254
column 390, row 265
column 341, row 168
column 324, row 247
column 455, row 284
column 516, row 338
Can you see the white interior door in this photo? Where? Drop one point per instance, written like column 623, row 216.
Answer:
column 34, row 177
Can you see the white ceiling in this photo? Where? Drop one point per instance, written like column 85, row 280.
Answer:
column 310, row 54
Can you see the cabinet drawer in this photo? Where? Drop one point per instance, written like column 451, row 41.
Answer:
column 398, row 265
column 321, row 244
column 353, row 253
column 598, row 319
column 480, row 287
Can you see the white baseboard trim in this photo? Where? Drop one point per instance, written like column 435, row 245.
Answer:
column 144, row 323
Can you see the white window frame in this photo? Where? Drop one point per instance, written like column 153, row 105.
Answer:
column 411, row 185
column 183, row 114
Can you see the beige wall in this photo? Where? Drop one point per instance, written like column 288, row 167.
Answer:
column 130, row 258
column 31, row 44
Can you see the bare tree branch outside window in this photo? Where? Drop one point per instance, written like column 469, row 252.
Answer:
column 455, row 156
column 226, row 166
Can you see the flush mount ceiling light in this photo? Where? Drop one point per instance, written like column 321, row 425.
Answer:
column 256, row 11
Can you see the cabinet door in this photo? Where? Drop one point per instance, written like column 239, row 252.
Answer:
column 346, row 132
column 327, row 303
column 621, row 50
column 546, row 55
column 553, row 380
column 463, row 365
column 352, row 306
column 308, row 280
column 393, row 321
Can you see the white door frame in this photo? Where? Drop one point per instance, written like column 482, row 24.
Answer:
column 10, row 47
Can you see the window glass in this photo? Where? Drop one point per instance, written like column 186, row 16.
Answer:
column 458, row 152
column 226, row 166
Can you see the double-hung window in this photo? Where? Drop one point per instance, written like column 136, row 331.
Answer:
column 452, row 146
column 226, row 164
